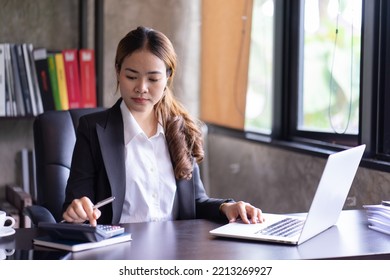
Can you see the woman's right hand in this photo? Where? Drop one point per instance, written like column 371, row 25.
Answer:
column 81, row 210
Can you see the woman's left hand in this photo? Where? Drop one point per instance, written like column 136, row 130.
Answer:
column 247, row 212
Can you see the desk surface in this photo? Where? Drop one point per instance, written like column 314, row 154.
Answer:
column 350, row 238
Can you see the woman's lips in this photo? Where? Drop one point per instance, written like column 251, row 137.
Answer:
column 140, row 100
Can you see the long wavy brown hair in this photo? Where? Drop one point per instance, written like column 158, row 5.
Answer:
column 182, row 132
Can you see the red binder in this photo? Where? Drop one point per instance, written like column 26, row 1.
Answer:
column 88, row 77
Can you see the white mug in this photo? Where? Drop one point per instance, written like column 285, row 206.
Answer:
column 4, row 253
column 4, row 218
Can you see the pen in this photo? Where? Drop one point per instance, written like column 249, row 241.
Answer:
column 100, row 204
column 103, row 202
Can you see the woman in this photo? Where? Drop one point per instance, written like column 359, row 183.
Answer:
column 145, row 149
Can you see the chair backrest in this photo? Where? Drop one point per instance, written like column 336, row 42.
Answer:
column 54, row 140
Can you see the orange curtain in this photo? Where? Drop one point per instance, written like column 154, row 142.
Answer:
column 226, row 28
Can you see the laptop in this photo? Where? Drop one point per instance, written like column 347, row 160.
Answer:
column 328, row 202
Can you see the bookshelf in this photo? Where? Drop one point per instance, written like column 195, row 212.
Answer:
column 98, row 24
column 54, row 25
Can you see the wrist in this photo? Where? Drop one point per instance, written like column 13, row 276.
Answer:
column 221, row 207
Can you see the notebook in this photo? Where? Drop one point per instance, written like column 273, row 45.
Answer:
column 328, row 202
column 75, row 246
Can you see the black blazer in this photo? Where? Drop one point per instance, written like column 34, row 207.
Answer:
column 98, row 171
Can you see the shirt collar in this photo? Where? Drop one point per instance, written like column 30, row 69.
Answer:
column 132, row 128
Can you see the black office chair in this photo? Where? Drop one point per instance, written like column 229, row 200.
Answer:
column 54, row 140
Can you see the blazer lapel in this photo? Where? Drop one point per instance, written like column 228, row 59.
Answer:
column 110, row 135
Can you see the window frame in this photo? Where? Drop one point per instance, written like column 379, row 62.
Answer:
column 375, row 50
column 292, row 60
column 373, row 116
column 383, row 135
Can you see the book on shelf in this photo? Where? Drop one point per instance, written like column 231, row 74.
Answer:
column 11, row 106
column 72, row 75
column 24, row 168
column 2, row 80
column 43, row 77
column 32, row 79
column 33, row 175
column 53, row 80
column 29, row 80
column 61, row 80
column 87, row 77
column 76, row 246
column 20, row 109
column 378, row 216
column 22, row 72
column 26, row 172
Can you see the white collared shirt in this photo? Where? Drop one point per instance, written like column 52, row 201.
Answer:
column 150, row 181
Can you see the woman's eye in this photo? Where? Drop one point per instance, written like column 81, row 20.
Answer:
column 153, row 80
column 131, row 78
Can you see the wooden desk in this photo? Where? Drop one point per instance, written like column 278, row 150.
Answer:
column 190, row 239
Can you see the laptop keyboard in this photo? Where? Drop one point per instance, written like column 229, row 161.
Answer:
column 287, row 227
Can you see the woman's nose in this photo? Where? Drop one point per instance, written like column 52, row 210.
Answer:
column 141, row 86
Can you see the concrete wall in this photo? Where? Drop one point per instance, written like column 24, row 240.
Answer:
column 278, row 180
column 178, row 19
column 54, row 24
column 44, row 23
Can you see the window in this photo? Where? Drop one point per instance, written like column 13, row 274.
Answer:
column 318, row 77
column 329, row 45
column 258, row 113
column 329, row 99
